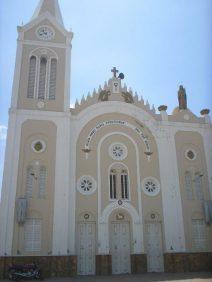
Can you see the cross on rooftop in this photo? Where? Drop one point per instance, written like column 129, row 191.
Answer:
column 114, row 71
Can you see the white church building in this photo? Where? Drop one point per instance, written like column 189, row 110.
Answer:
column 109, row 186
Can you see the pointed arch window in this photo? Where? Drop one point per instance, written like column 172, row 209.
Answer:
column 113, row 179
column 42, row 78
column 31, row 77
column 29, row 181
column 42, row 182
column 52, row 81
column 188, row 185
column 124, row 185
column 198, row 186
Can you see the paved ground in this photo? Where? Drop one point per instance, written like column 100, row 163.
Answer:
column 186, row 277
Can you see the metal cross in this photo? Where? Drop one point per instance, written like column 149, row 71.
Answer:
column 114, row 71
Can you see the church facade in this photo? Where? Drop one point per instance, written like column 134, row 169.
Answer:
column 110, row 183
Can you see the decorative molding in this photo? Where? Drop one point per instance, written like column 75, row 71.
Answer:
column 102, row 124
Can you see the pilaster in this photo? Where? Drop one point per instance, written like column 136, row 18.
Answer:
column 170, row 187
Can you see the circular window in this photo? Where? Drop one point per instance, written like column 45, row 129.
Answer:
column 151, row 186
column 190, row 155
column 86, row 185
column 38, row 146
column 118, row 151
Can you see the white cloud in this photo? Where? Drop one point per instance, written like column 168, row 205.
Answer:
column 3, row 132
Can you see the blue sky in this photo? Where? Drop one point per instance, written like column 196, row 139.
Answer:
column 157, row 44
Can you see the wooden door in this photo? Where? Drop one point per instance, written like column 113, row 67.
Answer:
column 154, row 247
column 86, row 248
column 120, row 247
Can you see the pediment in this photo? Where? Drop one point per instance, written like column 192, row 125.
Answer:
column 29, row 30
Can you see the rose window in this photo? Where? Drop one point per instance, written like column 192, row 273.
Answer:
column 118, row 151
column 86, row 185
column 151, row 186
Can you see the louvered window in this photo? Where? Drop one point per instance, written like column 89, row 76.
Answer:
column 113, row 184
column 188, row 186
column 31, row 77
column 52, row 81
column 42, row 79
column 29, row 181
column 42, row 182
column 198, row 186
column 32, row 235
column 199, row 235
column 124, row 185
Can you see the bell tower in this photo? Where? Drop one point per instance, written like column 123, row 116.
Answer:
column 42, row 73
column 38, row 138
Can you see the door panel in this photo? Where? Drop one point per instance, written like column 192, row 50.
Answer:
column 120, row 247
column 154, row 247
column 86, row 248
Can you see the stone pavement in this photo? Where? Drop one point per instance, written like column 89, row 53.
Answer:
column 153, row 277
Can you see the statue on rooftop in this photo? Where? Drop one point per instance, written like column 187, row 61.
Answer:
column 104, row 95
column 128, row 98
column 182, row 99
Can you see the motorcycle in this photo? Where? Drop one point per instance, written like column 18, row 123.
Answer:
column 17, row 272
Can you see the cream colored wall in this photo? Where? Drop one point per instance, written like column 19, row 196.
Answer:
column 192, row 208
column 37, row 207
column 89, row 166
column 31, row 104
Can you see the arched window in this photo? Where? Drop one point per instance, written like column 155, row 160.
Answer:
column 188, row 185
column 42, row 182
column 52, row 81
column 29, row 181
column 42, row 78
column 118, row 182
column 32, row 235
column 31, row 77
column 124, row 185
column 199, row 234
column 198, row 186
column 113, row 180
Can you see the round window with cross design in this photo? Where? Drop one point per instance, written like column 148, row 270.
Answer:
column 86, row 185
column 151, row 186
column 118, row 151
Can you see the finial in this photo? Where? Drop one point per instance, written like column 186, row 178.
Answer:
column 114, row 71
column 182, row 99
column 76, row 103
column 162, row 108
column 83, row 99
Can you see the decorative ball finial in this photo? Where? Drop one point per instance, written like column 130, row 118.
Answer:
column 204, row 112
column 162, row 108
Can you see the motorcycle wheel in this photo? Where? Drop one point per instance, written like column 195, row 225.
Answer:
column 39, row 276
column 12, row 275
